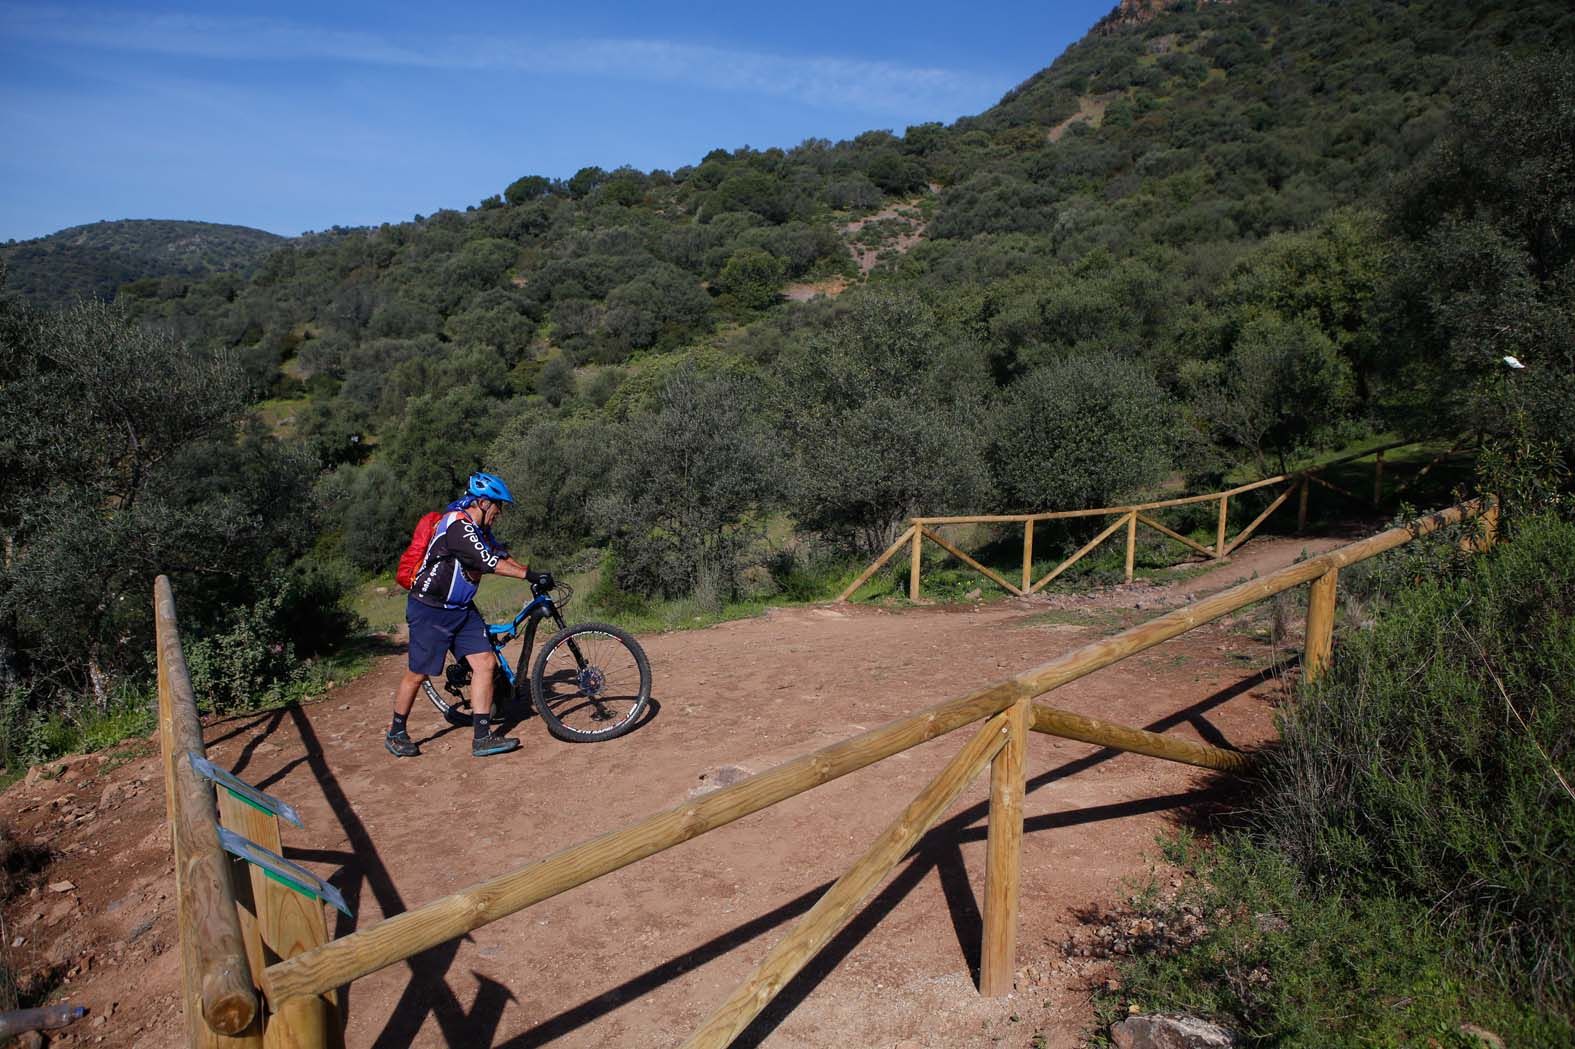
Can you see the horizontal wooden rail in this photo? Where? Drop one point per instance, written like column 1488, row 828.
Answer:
column 338, row 962
column 1130, row 516
column 216, row 973
column 1054, row 721
column 1161, row 504
column 1099, row 654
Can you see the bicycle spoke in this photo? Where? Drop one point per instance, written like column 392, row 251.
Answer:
column 591, row 683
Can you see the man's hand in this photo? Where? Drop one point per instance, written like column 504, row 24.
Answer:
column 541, row 580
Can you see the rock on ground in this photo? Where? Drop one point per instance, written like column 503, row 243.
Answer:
column 1169, row 1032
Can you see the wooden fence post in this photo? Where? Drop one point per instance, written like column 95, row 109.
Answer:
column 1301, row 506
column 1004, row 856
column 835, row 906
column 913, row 571
column 1131, row 542
column 1485, row 534
column 1219, row 534
column 283, row 924
column 1319, row 644
column 1028, row 554
column 1378, row 478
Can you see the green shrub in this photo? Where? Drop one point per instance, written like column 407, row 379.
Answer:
column 247, row 664
column 1086, row 432
column 31, row 734
column 1403, row 868
column 1428, row 762
column 1262, row 952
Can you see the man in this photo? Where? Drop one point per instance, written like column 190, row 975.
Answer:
column 443, row 617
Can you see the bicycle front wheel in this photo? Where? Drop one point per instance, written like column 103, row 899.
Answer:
column 591, row 682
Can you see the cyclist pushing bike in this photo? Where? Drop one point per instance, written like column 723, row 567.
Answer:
column 442, row 614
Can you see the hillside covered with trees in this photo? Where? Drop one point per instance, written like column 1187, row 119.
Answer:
column 93, row 261
column 1210, row 239
column 1208, row 236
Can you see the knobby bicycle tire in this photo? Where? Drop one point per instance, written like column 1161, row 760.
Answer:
column 591, row 682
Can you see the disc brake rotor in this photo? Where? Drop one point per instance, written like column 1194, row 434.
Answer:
column 591, row 681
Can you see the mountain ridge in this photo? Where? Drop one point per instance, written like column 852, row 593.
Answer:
column 94, row 259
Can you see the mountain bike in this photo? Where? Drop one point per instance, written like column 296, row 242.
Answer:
column 590, row 681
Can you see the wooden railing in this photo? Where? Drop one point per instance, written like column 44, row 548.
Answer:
column 233, row 920
column 1008, row 712
column 1129, row 517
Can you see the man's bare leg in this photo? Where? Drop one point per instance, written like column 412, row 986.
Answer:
column 405, row 694
column 483, row 667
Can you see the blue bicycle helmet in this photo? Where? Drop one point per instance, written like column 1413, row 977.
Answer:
column 488, row 486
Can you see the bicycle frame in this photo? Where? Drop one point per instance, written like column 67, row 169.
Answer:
column 539, row 607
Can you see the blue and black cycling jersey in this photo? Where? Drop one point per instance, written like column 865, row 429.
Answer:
column 460, row 553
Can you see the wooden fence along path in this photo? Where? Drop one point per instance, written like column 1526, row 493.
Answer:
column 230, row 944
column 234, row 921
column 1298, row 482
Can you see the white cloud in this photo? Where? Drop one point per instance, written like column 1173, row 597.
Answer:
column 829, row 81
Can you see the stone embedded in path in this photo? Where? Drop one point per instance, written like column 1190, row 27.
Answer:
column 717, row 778
column 1169, row 1032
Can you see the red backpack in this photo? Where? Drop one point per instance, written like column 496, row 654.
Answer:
column 415, row 556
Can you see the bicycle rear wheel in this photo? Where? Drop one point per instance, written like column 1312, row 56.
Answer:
column 591, row 681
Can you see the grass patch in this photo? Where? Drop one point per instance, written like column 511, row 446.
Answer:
column 31, row 737
column 278, row 414
column 381, row 602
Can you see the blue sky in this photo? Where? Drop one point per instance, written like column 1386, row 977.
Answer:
column 294, row 116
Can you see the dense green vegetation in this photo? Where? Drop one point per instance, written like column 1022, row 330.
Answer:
column 92, row 262
column 1200, row 245
column 1405, row 864
column 1228, row 236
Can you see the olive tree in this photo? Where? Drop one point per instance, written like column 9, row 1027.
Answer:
column 1086, row 432
column 688, row 486
column 122, row 459
column 882, row 413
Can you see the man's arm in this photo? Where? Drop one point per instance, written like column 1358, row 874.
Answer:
column 512, row 568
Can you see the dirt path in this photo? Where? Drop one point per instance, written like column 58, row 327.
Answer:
column 640, row 957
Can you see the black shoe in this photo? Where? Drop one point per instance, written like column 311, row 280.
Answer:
column 401, row 745
column 492, row 743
